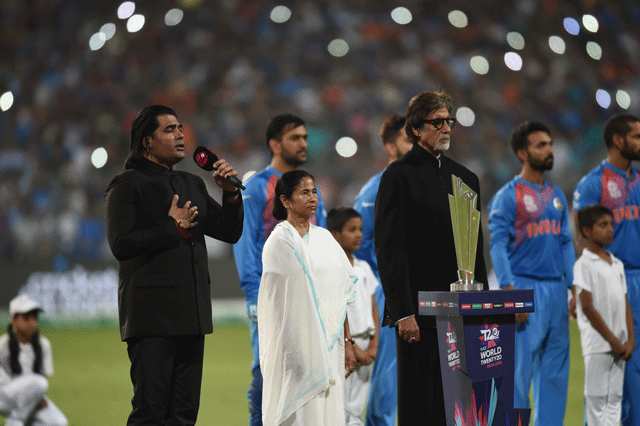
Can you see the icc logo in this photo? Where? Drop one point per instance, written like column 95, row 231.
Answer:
column 490, row 335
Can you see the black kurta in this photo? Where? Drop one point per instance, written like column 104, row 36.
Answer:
column 164, row 284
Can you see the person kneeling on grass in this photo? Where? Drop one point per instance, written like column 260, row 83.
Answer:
column 25, row 360
column 604, row 318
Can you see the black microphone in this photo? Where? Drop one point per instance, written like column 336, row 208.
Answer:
column 205, row 158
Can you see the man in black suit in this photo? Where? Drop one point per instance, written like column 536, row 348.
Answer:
column 156, row 222
column 416, row 252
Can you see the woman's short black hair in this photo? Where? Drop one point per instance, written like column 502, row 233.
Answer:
column 286, row 184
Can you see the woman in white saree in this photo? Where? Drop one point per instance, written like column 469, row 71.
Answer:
column 305, row 345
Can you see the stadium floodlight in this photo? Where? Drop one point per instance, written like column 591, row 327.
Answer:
column 513, row 61
column 280, row 14
column 6, row 101
column 126, row 9
column 173, row 17
column 135, row 23
column 401, row 15
column 515, row 40
column 603, row 98
column 572, row 26
column 623, row 99
column 338, row 48
column 594, row 50
column 346, row 147
column 590, row 23
column 479, row 65
column 465, row 116
column 99, row 158
column 109, row 30
column 97, row 41
column 458, row 19
column 557, row 44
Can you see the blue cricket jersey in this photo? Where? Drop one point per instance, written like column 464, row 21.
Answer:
column 530, row 233
column 258, row 224
column 365, row 205
column 609, row 186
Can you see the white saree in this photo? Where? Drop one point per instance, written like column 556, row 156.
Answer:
column 305, row 288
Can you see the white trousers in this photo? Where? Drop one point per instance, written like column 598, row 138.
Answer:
column 356, row 389
column 19, row 398
column 603, row 378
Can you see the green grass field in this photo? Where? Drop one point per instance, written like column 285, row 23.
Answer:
column 91, row 382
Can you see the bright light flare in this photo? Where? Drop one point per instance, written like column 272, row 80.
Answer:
column 346, row 147
column 173, row 17
column 603, row 98
column 513, row 61
column 479, row 65
column 572, row 26
column 99, row 158
column 623, row 99
column 126, row 9
column 280, row 14
column 338, row 47
column 458, row 19
column 6, row 101
column 465, row 116
column 135, row 23
column 557, row 44
column 515, row 40
column 401, row 15
column 590, row 23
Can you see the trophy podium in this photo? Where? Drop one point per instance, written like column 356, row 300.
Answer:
column 476, row 331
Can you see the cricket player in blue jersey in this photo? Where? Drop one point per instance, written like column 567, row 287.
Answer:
column 616, row 185
column 383, row 394
column 287, row 139
column 531, row 248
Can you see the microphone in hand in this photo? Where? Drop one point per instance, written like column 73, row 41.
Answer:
column 205, row 158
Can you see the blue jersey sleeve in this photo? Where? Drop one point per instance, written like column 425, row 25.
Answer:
column 587, row 192
column 502, row 218
column 365, row 203
column 248, row 250
column 321, row 213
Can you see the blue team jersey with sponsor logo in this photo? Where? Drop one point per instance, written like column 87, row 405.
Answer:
column 257, row 226
column 609, row 186
column 530, row 233
column 365, row 205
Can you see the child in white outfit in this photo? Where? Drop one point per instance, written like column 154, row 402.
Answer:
column 604, row 318
column 345, row 225
column 25, row 360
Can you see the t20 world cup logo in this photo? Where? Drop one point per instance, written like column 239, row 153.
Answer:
column 453, row 354
column 490, row 351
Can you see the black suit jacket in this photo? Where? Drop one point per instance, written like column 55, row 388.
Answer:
column 413, row 232
column 164, row 284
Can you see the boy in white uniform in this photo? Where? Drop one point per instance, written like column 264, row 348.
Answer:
column 25, row 360
column 345, row 225
column 604, row 318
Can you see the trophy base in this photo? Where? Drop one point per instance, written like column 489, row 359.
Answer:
column 464, row 285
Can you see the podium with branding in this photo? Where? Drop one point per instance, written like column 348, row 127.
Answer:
column 476, row 341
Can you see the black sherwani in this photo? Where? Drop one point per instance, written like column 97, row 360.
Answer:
column 416, row 252
column 164, row 296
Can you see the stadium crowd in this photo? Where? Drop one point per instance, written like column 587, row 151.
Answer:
column 227, row 67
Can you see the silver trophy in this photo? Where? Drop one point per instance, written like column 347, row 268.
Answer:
column 465, row 219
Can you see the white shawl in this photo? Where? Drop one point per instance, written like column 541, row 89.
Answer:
column 305, row 287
